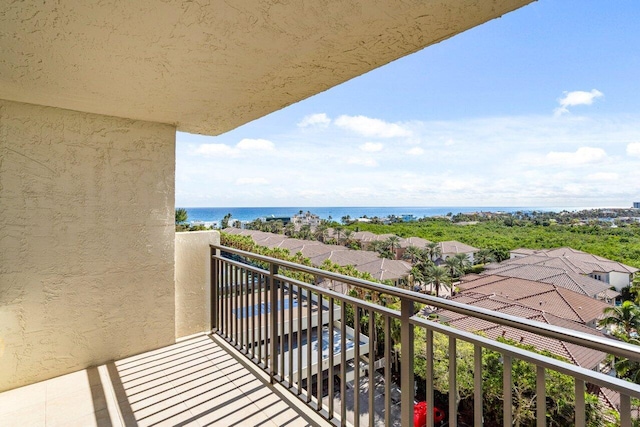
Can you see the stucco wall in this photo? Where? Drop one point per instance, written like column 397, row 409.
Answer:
column 619, row 280
column 86, row 240
column 193, row 279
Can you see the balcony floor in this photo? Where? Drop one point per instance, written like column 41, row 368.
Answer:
column 199, row 381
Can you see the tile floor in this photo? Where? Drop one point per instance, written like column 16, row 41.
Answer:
column 197, row 382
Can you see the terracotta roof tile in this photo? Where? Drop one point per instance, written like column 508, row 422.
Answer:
column 455, row 247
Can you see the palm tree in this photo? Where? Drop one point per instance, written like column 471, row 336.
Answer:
column 393, row 242
column 305, row 232
column 453, row 267
column 412, row 253
column 433, row 250
column 437, row 276
column 484, row 256
column 625, row 316
column 628, row 369
column 225, row 221
column 321, row 232
column 289, row 229
column 635, row 288
column 337, row 231
column 348, row 234
column 181, row 216
column 463, row 262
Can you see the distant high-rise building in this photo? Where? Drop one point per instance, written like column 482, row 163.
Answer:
column 636, row 205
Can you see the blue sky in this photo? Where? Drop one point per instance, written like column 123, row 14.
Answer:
column 537, row 108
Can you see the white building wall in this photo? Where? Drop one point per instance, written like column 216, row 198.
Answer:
column 86, row 240
column 619, row 280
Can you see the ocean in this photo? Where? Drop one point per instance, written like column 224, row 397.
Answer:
column 336, row 213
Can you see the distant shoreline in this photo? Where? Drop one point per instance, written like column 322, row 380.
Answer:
column 336, row 212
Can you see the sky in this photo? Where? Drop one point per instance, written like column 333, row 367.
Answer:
column 538, row 108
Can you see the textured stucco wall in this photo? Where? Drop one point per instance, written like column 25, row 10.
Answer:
column 210, row 66
column 193, row 275
column 86, row 240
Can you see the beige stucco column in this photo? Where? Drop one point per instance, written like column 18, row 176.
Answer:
column 193, row 281
column 86, row 240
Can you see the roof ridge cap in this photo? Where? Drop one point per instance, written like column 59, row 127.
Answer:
column 536, row 294
column 571, row 306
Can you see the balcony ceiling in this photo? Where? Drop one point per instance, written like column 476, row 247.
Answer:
column 210, row 66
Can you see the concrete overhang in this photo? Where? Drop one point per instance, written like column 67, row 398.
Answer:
column 210, row 66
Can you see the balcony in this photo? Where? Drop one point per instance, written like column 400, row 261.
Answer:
column 386, row 394
column 199, row 381
column 276, row 357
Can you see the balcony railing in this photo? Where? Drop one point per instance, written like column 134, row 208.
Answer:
column 306, row 336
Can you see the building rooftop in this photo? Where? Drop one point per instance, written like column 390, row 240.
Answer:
column 547, row 297
column 571, row 259
column 455, row 247
column 581, row 356
column 553, row 275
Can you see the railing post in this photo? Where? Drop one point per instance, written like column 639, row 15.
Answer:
column 406, row 360
column 273, row 291
column 214, row 288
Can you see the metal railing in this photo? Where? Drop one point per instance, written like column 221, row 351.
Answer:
column 310, row 338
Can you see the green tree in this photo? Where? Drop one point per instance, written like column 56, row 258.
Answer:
column 348, row 237
column 412, row 253
column 225, row 221
column 289, row 229
column 305, row 232
column 433, row 251
column 181, row 216
column 625, row 317
column 484, row 256
column 337, row 232
column 437, row 276
column 453, row 267
column 392, row 242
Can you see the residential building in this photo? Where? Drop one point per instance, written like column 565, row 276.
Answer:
column 306, row 218
column 452, row 247
column 547, row 297
column 615, row 274
column 556, row 276
column 587, row 358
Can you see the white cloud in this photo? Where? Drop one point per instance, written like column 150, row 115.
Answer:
column 416, row 151
column 223, row 150
column 371, row 146
column 215, row 150
column 581, row 156
column 603, row 176
column 255, row 144
column 577, row 97
column 319, row 119
column 252, row 181
column 369, row 127
column 633, row 149
column 495, row 161
column 362, row 161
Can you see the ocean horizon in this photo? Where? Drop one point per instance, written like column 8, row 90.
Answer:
column 337, row 212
